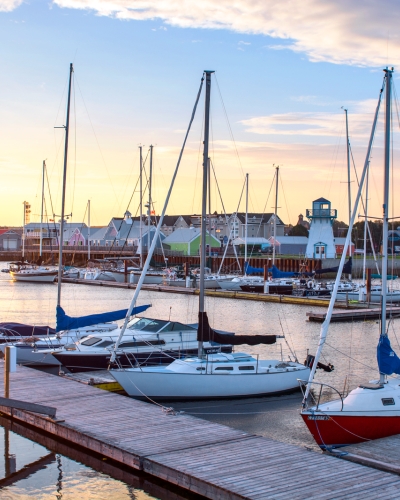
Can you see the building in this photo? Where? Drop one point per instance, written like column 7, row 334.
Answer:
column 173, row 222
column 289, row 245
column 10, row 240
column 339, row 245
column 187, row 241
column 321, row 244
column 254, row 245
column 258, row 225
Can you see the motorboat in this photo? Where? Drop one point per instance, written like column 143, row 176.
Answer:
column 21, row 271
column 147, row 342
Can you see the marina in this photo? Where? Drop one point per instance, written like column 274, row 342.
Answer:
column 204, row 458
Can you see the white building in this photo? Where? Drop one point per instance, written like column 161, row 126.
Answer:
column 321, row 243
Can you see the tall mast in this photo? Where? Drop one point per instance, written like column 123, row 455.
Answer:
column 348, row 172
column 23, row 231
column 246, row 222
column 41, row 210
column 204, row 198
column 365, row 226
column 389, row 73
column 141, row 208
column 209, row 203
column 61, row 239
column 88, row 229
column 276, row 210
column 150, row 201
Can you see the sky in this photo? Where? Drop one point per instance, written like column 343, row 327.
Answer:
column 283, row 72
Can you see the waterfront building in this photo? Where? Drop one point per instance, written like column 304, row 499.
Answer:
column 321, row 244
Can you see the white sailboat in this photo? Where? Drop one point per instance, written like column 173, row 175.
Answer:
column 211, row 374
column 372, row 410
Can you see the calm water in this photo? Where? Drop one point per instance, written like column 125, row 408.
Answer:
column 44, row 469
column 351, row 347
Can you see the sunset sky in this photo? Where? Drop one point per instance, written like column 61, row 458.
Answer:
column 283, row 72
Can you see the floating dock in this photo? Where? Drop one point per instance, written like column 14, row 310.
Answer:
column 102, row 379
column 202, row 457
column 355, row 314
column 260, row 297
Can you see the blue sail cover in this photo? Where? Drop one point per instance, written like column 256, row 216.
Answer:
column 65, row 322
column 276, row 273
column 388, row 361
column 248, row 269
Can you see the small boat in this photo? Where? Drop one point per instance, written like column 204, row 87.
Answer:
column 22, row 271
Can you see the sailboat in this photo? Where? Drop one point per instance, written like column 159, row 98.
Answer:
column 22, row 271
column 372, row 410
column 212, row 374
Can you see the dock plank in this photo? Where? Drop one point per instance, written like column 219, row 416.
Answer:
column 210, row 459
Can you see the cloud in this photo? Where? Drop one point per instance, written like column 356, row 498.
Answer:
column 323, row 124
column 361, row 33
column 9, row 5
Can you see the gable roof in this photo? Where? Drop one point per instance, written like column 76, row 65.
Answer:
column 290, row 240
column 324, row 200
column 265, row 218
column 186, row 235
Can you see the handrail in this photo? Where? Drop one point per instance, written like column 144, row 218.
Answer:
column 306, row 382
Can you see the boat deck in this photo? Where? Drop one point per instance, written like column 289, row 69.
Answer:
column 202, row 457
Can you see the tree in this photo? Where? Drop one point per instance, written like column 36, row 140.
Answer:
column 298, row 230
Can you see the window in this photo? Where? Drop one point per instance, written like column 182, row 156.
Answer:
column 246, row 367
column 226, row 368
column 201, row 368
column 142, row 343
column 91, row 341
column 388, row 401
column 105, row 343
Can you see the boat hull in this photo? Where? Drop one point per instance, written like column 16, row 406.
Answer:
column 34, row 277
column 29, row 356
column 172, row 386
column 335, row 430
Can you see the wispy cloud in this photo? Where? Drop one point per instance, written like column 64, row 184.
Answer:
column 338, row 31
column 322, row 124
column 9, row 5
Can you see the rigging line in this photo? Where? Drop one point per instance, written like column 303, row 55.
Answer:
column 354, row 359
column 97, row 141
column 198, row 161
column 229, row 125
column 74, row 171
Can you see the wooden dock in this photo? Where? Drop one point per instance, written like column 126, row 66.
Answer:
column 209, row 459
column 355, row 314
column 226, row 294
column 382, row 454
column 102, row 379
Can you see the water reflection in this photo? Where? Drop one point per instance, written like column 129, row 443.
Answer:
column 36, row 466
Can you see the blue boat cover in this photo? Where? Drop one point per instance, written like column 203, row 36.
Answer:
column 248, row 269
column 388, row 361
column 276, row 273
column 65, row 322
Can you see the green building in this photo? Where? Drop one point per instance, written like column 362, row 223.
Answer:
column 187, row 241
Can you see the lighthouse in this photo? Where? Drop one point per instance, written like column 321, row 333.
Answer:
column 321, row 243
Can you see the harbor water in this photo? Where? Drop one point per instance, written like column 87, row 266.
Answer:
column 350, row 347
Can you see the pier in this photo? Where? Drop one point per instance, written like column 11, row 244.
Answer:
column 355, row 314
column 204, row 458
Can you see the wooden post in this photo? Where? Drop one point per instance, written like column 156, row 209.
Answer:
column 369, row 273
column 125, row 271
column 10, row 365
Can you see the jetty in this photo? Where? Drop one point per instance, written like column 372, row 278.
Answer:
column 225, row 294
column 355, row 314
column 201, row 457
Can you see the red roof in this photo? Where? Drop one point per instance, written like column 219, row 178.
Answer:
column 2, row 231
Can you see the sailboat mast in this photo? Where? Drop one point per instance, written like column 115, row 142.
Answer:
column 276, row 210
column 141, row 206
column 204, row 198
column 149, row 212
column 246, row 222
column 348, row 172
column 365, row 226
column 41, row 210
column 209, row 203
column 386, row 202
column 88, row 229
column 61, row 239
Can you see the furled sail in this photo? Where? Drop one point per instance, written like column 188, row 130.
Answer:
column 248, row 269
column 206, row 334
column 388, row 361
column 346, row 268
column 65, row 322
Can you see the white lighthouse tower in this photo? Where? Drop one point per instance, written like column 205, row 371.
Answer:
column 321, row 243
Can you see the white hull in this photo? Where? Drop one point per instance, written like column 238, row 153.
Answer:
column 208, row 284
column 37, row 277
column 375, row 296
column 26, row 355
column 161, row 384
column 237, row 282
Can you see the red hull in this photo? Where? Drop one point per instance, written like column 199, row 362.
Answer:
column 341, row 430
